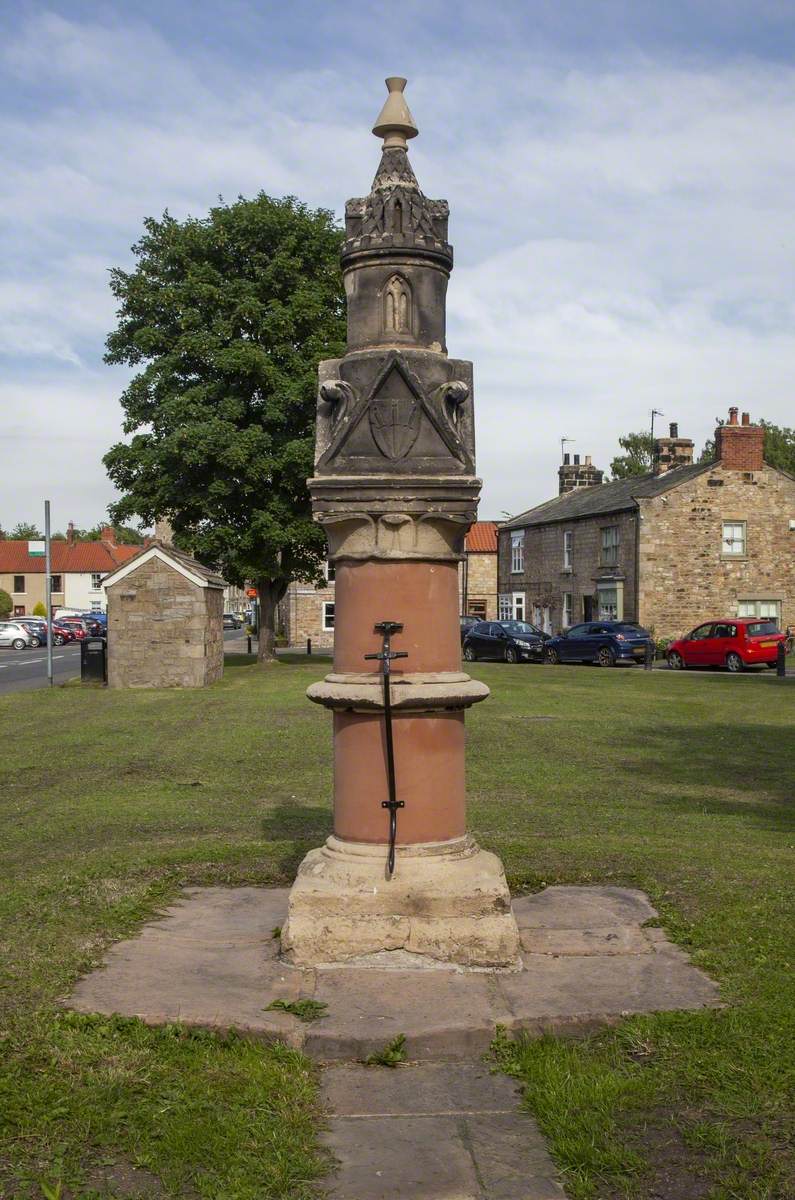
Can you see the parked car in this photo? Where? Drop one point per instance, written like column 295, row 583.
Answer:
column 12, row 633
column 606, row 643
column 232, row 621
column 504, row 641
column 37, row 628
column 467, row 623
column 61, row 634
column 76, row 624
column 734, row 643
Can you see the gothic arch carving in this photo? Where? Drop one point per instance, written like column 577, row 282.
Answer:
column 397, row 305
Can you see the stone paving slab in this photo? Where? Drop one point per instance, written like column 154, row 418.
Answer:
column 433, row 1131
column 211, row 960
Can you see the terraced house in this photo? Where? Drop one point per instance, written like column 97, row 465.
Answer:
column 77, row 569
column 672, row 548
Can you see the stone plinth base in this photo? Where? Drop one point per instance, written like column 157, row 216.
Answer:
column 447, row 901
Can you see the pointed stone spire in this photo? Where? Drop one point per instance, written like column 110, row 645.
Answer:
column 395, row 123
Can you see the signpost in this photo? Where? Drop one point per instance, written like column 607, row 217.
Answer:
column 48, row 588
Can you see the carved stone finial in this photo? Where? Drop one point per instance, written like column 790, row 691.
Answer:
column 395, row 123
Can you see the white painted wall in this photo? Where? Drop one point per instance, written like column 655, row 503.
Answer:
column 81, row 593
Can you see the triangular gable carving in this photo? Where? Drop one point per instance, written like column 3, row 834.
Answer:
column 393, row 430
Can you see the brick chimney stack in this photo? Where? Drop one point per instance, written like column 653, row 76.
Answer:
column 107, row 535
column 70, row 533
column 740, row 447
column 672, row 451
column 577, row 475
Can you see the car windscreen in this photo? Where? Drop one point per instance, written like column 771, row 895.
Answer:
column 760, row 628
column 519, row 627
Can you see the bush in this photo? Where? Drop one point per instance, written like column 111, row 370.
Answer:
column 6, row 604
column 661, row 647
column 39, row 610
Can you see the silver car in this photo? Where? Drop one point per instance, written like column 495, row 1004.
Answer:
column 16, row 635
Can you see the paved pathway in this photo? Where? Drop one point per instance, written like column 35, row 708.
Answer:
column 442, row 1127
column 434, row 1131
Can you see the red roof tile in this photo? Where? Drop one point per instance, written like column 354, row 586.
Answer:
column 81, row 557
column 482, row 538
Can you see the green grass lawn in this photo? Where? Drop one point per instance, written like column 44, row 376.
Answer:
column 678, row 784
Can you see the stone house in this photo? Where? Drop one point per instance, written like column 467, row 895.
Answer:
column 165, row 621
column 477, row 573
column 669, row 549
column 78, row 571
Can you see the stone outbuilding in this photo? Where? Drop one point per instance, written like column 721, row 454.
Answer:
column 165, row 621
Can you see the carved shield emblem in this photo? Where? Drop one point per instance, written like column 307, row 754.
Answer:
column 395, row 424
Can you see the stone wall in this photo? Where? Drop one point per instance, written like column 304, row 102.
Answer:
column 163, row 630
column 544, row 579
column 301, row 615
column 685, row 577
column 480, row 570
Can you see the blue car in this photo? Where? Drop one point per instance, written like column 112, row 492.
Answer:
column 604, row 642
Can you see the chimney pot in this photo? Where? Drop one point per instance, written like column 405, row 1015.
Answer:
column 576, row 460
column 733, row 415
column 673, row 429
column 566, row 459
column 588, row 460
column 746, row 419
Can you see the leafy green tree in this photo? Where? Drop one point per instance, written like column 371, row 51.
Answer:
column 638, row 457
column 6, row 604
column 125, row 535
column 225, row 319
column 39, row 610
column 25, row 532
column 778, row 450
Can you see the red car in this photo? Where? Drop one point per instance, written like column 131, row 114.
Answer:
column 734, row 643
column 61, row 634
column 75, row 625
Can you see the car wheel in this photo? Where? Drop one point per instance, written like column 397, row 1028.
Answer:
column 606, row 657
column 675, row 661
column 469, row 654
column 734, row 663
column 551, row 656
column 58, row 640
column 510, row 654
column 35, row 643
column 18, row 644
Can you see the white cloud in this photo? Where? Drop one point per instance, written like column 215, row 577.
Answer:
column 623, row 233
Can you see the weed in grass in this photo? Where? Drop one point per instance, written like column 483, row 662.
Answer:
column 392, row 1055
column 276, row 932
column 305, row 1010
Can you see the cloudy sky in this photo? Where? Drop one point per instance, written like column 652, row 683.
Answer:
column 621, row 176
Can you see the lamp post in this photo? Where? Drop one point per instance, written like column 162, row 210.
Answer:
column 48, row 588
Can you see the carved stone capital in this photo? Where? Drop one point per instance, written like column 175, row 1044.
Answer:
column 396, row 517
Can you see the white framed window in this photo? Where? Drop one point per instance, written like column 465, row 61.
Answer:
column 96, row 581
column 759, row 608
column 504, row 606
column 546, row 619
column 517, row 552
column 96, row 606
column 331, row 571
column 610, row 544
column 608, row 603
column 733, row 541
column 566, row 610
column 568, row 539
column 517, row 606
column 328, row 615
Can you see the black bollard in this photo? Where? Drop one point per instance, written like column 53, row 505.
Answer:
column 248, row 639
column 309, row 647
column 781, row 660
column 648, row 659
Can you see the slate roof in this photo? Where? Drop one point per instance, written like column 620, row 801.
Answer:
column 80, row 557
column 482, row 538
column 190, row 564
column 605, row 497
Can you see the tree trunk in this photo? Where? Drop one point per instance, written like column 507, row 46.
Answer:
column 270, row 593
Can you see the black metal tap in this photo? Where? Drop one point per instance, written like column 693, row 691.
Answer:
column 385, row 656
